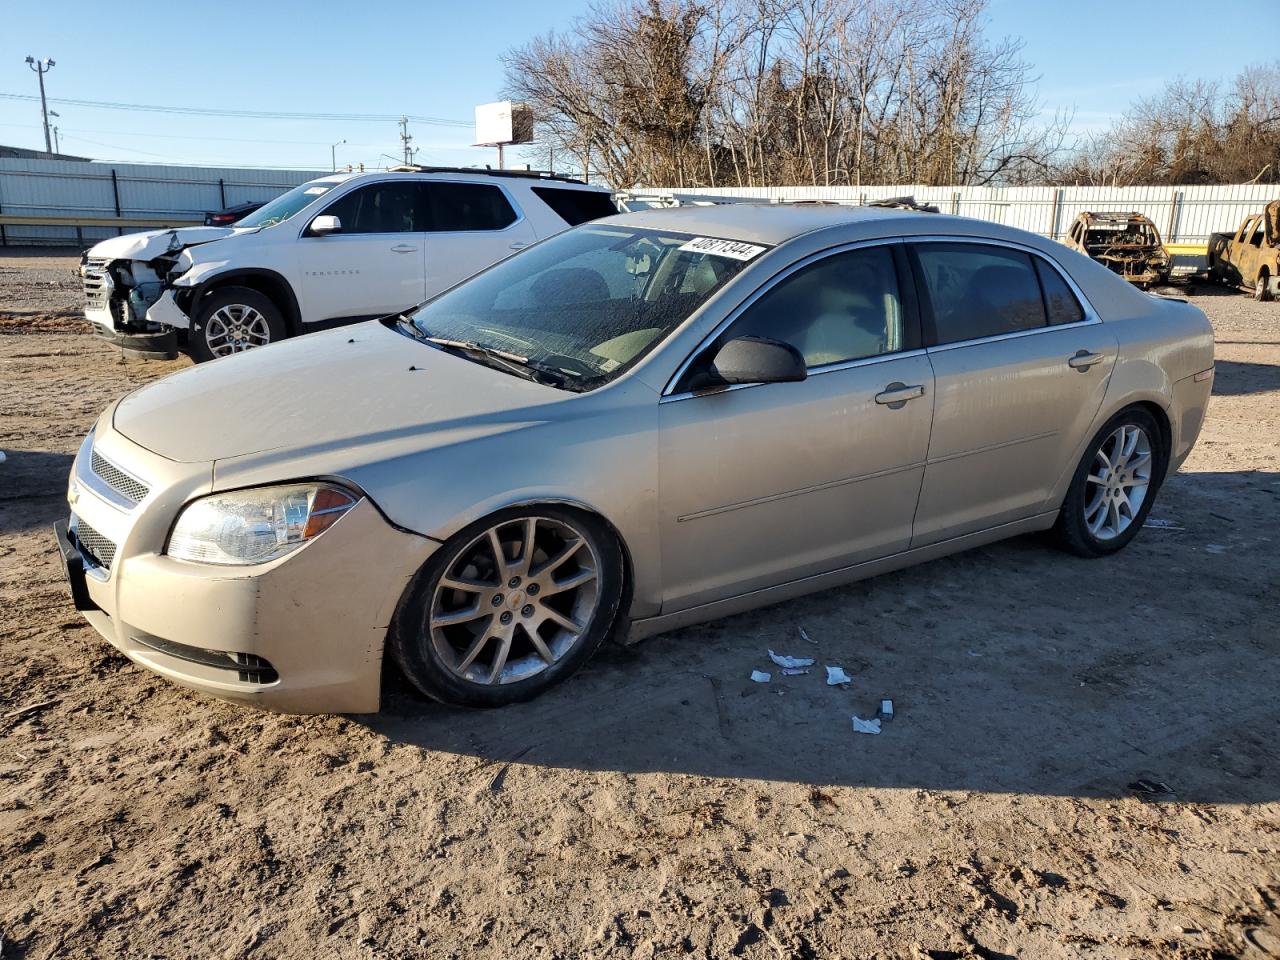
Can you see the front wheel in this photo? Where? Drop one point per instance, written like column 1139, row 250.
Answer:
column 233, row 320
column 1262, row 287
column 510, row 606
column 1114, row 486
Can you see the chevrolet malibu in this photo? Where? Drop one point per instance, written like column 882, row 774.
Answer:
column 642, row 423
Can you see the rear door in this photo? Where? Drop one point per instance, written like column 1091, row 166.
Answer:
column 471, row 225
column 761, row 484
column 1020, row 365
column 374, row 265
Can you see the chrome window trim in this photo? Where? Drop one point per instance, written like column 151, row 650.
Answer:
column 668, row 392
column 1090, row 315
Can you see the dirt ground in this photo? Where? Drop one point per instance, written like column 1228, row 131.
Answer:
column 661, row 804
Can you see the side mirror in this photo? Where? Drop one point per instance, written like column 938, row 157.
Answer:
column 324, row 225
column 752, row 360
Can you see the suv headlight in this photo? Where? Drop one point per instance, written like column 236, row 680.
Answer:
column 258, row 525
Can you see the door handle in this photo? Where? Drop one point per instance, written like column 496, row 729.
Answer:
column 1083, row 360
column 519, row 245
column 404, row 248
column 896, row 395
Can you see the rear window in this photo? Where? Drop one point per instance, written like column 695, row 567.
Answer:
column 977, row 290
column 576, row 206
column 457, row 207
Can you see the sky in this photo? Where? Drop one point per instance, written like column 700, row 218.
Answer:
column 439, row 59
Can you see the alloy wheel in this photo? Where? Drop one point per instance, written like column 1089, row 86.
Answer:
column 515, row 601
column 1118, row 482
column 234, row 329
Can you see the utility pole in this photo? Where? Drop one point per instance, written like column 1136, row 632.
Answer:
column 405, row 138
column 41, row 67
column 56, row 148
column 333, row 154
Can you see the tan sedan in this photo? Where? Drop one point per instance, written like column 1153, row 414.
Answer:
column 642, row 423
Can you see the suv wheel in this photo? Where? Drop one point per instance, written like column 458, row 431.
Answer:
column 233, row 320
column 511, row 605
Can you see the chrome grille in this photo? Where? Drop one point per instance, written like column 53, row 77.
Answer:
column 100, row 551
column 128, row 487
column 97, row 284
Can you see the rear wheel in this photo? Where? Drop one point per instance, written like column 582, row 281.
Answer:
column 233, row 320
column 1114, row 486
column 510, row 606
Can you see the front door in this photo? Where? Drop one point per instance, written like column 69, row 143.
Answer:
column 375, row 264
column 766, row 483
column 1021, row 369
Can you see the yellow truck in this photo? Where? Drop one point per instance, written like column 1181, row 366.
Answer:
column 1248, row 258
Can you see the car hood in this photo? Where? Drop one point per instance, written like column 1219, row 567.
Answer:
column 356, row 386
column 155, row 243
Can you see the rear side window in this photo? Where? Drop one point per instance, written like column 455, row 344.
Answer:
column 468, row 207
column 576, row 206
column 392, row 207
column 1060, row 303
column 976, row 290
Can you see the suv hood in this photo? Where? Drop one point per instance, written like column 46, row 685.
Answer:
column 156, row 243
column 357, row 386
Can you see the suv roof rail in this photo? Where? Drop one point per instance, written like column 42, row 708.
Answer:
column 489, row 171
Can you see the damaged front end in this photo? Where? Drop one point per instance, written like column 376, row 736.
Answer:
column 131, row 290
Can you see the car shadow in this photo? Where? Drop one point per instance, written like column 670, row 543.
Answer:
column 1232, row 378
column 33, row 489
column 1013, row 668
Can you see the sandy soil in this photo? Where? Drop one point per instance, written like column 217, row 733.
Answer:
column 660, row 804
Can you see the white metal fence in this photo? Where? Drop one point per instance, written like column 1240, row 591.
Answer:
column 1183, row 214
column 84, row 192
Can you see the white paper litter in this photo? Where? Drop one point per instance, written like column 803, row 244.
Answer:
column 837, row 677
column 790, row 661
column 886, row 709
column 1162, row 524
column 759, row 676
column 794, row 671
column 1215, row 548
column 806, row 638
column 866, row 726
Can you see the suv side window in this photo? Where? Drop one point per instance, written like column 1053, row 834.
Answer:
column 394, row 206
column 468, row 207
column 844, row 307
column 576, row 206
column 978, row 290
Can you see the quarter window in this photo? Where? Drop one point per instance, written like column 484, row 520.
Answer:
column 1060, row 303
column 576, row 206
column 391, row 207
column 977, row 290
column 845, row 307
column 457, row 207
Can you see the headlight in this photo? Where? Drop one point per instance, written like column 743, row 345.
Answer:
column 254, row 526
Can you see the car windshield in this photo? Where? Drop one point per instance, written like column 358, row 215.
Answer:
column 587, row 303
column 287, row 204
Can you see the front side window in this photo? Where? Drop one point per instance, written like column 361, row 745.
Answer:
column 287, row 204
column 589, row 302
column 394, row 206
column 977, row 290
column 844, row 307
column 468, row 207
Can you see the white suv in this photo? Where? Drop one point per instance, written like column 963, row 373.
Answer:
column 332, row 251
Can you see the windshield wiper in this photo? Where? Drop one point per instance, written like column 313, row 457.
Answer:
column 501, row 359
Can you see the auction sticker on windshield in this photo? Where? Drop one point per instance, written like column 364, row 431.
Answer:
column 723, row 248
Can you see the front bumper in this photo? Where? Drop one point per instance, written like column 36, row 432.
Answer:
column 302, row 634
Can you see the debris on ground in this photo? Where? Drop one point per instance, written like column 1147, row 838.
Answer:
column 759, row 676
column 806, row 638
column 866, row 726
column 785, row 662
column 837, row 677
column 794, row 671
column 1162, row 524
column 1215, row 548
column 886, row 709
column 1151, row 788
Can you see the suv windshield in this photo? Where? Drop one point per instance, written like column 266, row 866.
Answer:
column 588, row 302
column 287, row 204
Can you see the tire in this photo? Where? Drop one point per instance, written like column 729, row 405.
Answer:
column 448, row 641
column 1262, row 287
column 1078, row 529
column 232, row 320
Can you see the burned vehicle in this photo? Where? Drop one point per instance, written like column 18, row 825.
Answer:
column 1250, row 257
column 1125, row 243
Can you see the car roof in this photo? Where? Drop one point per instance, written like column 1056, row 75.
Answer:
column 763, row 223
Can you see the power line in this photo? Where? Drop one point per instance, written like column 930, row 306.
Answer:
column 251, row 114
